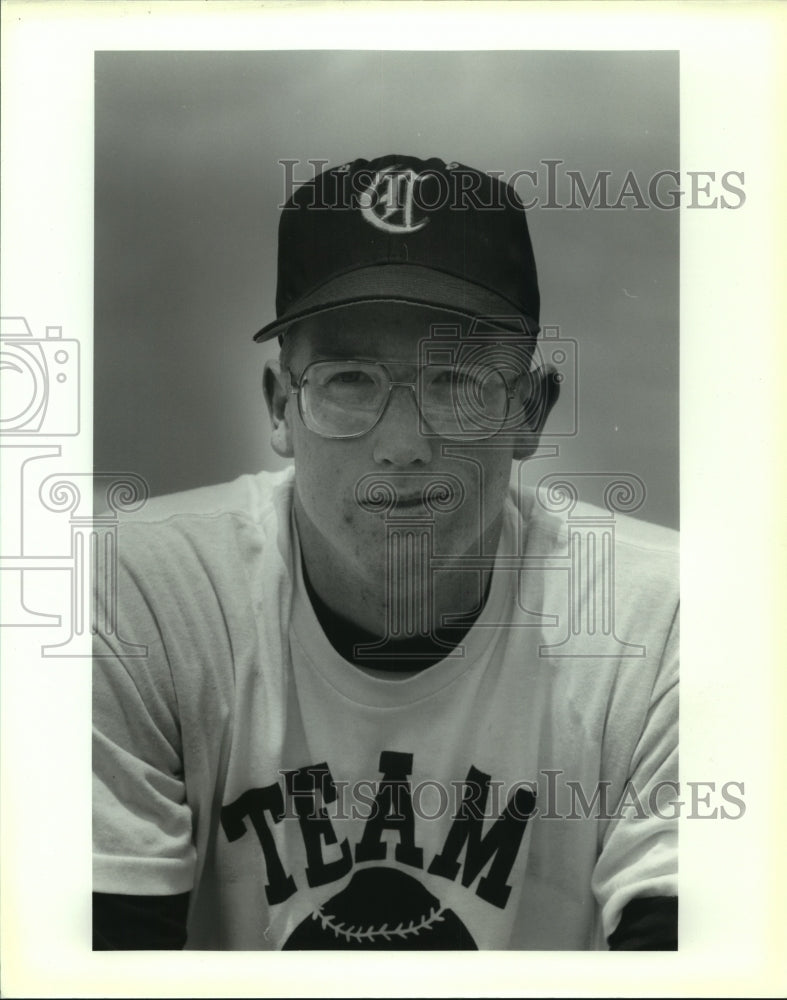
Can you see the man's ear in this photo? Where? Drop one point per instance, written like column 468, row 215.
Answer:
column 539, row 391
column 276, row 389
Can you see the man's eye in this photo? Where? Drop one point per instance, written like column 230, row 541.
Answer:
column 350, row 378
column 454, row 378
column 448, row 377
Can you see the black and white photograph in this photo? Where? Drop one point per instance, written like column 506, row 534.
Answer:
column 423, row 608
column 372, row 489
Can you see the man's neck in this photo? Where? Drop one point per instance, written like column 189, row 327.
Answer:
column 369, row 602
column 388, row 653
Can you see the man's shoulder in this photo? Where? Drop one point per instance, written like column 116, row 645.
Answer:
column 249, row 497
column 548, row 525
column 212, row 529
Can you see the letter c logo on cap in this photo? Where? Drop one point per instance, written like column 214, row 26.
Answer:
column 388, row 201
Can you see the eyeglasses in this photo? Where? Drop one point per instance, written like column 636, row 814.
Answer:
column 346, row 399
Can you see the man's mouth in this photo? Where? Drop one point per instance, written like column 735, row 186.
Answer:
column 400, row 503
column 380, row 496
column 417, row 501
column 414, row 501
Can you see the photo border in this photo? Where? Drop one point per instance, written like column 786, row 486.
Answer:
column 732, row 308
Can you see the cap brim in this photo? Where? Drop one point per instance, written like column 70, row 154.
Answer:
column 407, row 283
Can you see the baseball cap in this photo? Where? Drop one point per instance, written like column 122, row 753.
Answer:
column 402, row 229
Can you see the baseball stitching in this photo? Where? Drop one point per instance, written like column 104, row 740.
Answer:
column 385, row 932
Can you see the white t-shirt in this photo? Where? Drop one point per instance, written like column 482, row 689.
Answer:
column 307, row 803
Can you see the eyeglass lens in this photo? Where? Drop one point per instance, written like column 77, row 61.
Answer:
column 346, row 398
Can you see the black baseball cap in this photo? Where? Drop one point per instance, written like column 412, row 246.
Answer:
column 401, row 229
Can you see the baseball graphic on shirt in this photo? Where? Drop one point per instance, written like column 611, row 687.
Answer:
column 382, row 908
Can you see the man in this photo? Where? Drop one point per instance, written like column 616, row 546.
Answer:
column 394, row 699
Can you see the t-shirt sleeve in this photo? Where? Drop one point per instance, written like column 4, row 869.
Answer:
column 639, row 850
column 142, row 823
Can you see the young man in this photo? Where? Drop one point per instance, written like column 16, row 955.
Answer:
column 392, row 698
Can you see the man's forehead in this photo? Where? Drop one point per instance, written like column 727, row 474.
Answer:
column 390, row 329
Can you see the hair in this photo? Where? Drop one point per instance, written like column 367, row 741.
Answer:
column 286, row 342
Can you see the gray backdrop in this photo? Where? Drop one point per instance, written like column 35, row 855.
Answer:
column 187, row 184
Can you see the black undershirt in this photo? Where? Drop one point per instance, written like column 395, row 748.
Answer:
column 158, row 923
column 415, row 653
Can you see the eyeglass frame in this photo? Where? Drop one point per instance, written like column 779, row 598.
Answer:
column 298, row 386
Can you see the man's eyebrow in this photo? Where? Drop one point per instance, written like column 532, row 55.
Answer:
column 353, row 354
column 339, row 354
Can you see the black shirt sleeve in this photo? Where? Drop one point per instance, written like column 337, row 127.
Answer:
column 139, row 923
column 647, row 924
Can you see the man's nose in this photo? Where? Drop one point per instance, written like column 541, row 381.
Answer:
column 399, row 440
